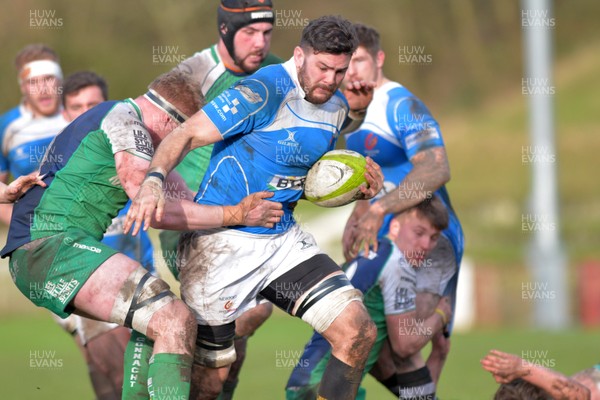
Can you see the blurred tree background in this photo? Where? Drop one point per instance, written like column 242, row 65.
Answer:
column 472, row 82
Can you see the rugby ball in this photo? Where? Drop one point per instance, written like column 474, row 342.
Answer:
column 334, row 180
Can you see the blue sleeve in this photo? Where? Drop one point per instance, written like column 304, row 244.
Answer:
column 246, row 106
column 5, row 120
column 413, row 125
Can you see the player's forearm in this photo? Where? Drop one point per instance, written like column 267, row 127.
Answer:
column 3, row 195
column 196, row 132
column 185, row 215
column 173, row 148
column 551, row 381
column 360, row 208
column 430, row 171
column 440, row 346
column 416, row 335
column 435, row 363
column 5, row 211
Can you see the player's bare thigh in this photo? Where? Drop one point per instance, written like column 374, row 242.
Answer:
column 97, row 296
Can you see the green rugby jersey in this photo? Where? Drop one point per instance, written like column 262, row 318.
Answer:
column 84, row 190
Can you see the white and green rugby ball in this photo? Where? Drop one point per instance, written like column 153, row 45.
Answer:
column 335, row 179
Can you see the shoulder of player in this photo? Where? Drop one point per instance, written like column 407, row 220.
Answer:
column 8, row 117
column 400, row 99
column 268, row 84
column 395, row 265
column 122, row 116
column 200, row 63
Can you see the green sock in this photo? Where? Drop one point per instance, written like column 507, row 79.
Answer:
column 169, row 376
column 136, row 364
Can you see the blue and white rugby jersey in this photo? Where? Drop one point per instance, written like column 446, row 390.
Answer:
column 271, row 138
column 24, row 139
column 396, row 127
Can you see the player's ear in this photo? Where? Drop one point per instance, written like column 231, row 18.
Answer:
column 299, row 56
column 380, row 58
column 395, row 226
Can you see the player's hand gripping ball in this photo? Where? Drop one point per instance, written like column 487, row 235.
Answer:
column 335, row 179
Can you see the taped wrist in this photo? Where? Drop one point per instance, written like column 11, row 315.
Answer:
column 232, row 215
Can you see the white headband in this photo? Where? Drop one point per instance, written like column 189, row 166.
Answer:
column 40, row 68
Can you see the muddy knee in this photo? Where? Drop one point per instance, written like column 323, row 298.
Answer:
column 141, row 296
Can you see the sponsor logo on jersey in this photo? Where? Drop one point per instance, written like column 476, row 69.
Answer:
column 371, row 141
column 280, row 182
column 425, row 135
column 143, row 143
column 86, row 247
column 228, row 305
column 305, row 244
column 403, row 299
column 290, row 140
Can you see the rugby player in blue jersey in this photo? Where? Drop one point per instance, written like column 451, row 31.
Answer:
column 294, row 107
column 26, row 130
column 400, row 134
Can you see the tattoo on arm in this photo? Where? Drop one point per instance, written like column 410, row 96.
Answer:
column 430, row 171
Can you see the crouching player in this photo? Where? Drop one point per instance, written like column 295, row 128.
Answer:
column 388, row 280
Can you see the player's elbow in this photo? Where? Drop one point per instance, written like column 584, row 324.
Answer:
column 443, row 172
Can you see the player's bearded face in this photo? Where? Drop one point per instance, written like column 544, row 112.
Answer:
column 363, row 66
column 321, row 74
column 252, row 44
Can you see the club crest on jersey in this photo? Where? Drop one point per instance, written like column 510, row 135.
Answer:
column 250, row 95
column 281, row 182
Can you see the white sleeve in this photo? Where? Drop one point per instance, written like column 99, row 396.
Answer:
column 398, row 288
column 126, row 132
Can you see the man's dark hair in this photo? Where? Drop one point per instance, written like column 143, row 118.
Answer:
column 368, row 38
column 433, row 210
column 330, row 34
column 521, row 390
column 82, row 79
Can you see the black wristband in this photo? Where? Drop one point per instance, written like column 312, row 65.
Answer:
column 157, row 175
